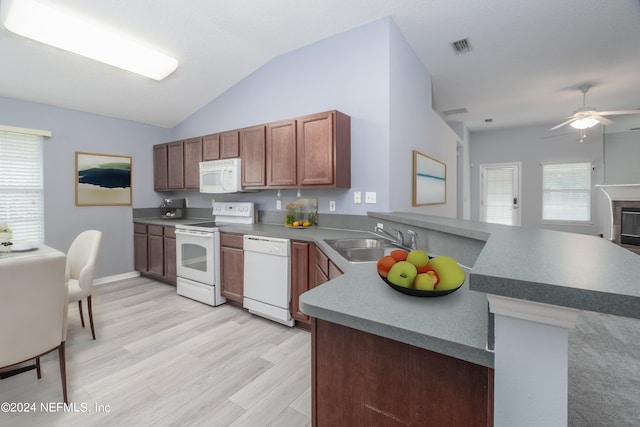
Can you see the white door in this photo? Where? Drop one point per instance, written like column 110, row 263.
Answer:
column 500, row 193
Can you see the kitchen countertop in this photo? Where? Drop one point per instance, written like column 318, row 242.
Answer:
column 564, row 269
column 552, row 267
column 361, row 300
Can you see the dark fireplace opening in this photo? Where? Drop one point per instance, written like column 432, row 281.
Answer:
column 630, row 226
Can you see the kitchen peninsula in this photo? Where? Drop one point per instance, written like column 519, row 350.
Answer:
column 537, row 281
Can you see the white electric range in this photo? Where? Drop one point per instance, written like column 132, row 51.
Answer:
column 198, row 251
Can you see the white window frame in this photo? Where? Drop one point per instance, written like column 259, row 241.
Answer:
column 20, row 227
column 586, row 222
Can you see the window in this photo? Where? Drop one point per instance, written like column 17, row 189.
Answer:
column 566, row 192
column 21, row 204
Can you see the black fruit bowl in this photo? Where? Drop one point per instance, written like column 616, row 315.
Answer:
column 418, row 292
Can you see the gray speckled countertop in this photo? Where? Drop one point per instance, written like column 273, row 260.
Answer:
column 552, row 267
column 565, row 269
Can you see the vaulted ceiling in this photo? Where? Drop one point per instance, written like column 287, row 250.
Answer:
column 527, row 58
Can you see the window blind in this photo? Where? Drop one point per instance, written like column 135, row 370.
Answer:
column 499, row 195
column 566, row 192
column 21, row 192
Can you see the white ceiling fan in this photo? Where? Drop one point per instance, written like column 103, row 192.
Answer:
column 586, row 117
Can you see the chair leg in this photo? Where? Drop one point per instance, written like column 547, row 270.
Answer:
column 63, row 371
column 93, row 332
column 38, row 372
column 80, row 310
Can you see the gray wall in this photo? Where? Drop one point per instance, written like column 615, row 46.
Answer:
column 369, row 73
column 622, row 157
column 532, row 146
column 74, row 131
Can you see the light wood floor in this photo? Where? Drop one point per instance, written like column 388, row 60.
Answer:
column 160, row 359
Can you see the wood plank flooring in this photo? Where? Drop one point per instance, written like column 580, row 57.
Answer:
column 163, row 360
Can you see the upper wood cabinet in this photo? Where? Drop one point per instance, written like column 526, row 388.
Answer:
column 307, row 151
column 175, row 165
column 160, row 164
column 211, row 147
column 324, row 150
column 282, row 155
column 253, row 155
column 192, row 159
column 229, row 145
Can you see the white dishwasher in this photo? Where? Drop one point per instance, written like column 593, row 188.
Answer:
column 267, row 279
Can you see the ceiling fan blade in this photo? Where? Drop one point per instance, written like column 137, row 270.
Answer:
column 618, row 112
column 566, row 122
column 603, row 120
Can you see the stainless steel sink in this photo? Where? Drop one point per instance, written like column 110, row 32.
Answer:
column 362, row 249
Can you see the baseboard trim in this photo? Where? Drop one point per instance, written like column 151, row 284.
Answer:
column 115, row 278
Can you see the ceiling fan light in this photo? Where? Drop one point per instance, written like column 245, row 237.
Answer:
column 64, row 30
column 584, row 123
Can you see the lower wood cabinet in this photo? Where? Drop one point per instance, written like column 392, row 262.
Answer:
column 232, row 267
column 363, row 379
column 309, row 267
column 155, row 251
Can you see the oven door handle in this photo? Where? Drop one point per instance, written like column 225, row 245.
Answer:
column 194, row 233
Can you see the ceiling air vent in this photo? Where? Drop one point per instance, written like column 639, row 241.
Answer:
column 461, row 46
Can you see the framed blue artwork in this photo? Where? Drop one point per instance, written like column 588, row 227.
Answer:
column 429, row 180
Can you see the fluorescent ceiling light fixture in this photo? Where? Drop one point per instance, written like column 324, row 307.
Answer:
column 69, row 31
column 584, row 123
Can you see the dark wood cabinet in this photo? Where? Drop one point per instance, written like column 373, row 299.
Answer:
column 160, row 166
column 325, row 269
column 303, row 277
column 363, row 379
column 192, row 159
column 175, row 165
column 140, row 251
column 324, row 150
column 230, row 145
column 155, row 252
column 308, row 151
column 282, row 154
column 211, row 147
column 232, row 267
column 253, row 155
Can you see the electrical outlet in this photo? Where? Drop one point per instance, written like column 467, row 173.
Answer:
column 357, row 197
column 370, row 197
column 278, row 204
column 332, row 206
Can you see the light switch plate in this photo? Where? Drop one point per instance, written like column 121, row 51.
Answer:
column 370, row 197
column 357, row 197
column 332, row 206
column 278, row 204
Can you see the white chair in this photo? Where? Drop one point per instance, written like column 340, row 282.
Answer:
column 81, row 264
column 33, row 311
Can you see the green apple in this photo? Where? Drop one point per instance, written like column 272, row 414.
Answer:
column 402, row 273
column 424, row 282
column 418, row 257
column 450, row 273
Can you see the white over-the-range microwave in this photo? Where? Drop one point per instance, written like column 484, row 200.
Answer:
column 220, row 176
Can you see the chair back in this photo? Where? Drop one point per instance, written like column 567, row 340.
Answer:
column 81, row 258
column 33, row 306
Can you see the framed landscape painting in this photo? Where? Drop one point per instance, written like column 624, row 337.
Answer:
column 103, row 180
column 429, row 180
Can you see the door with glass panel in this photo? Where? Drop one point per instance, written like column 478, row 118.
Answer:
column 500, row 193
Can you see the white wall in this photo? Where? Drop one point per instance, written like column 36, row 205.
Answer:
column 532, row 146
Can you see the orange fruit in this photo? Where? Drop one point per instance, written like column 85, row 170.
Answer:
column 384, row 265
column 399, row 254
